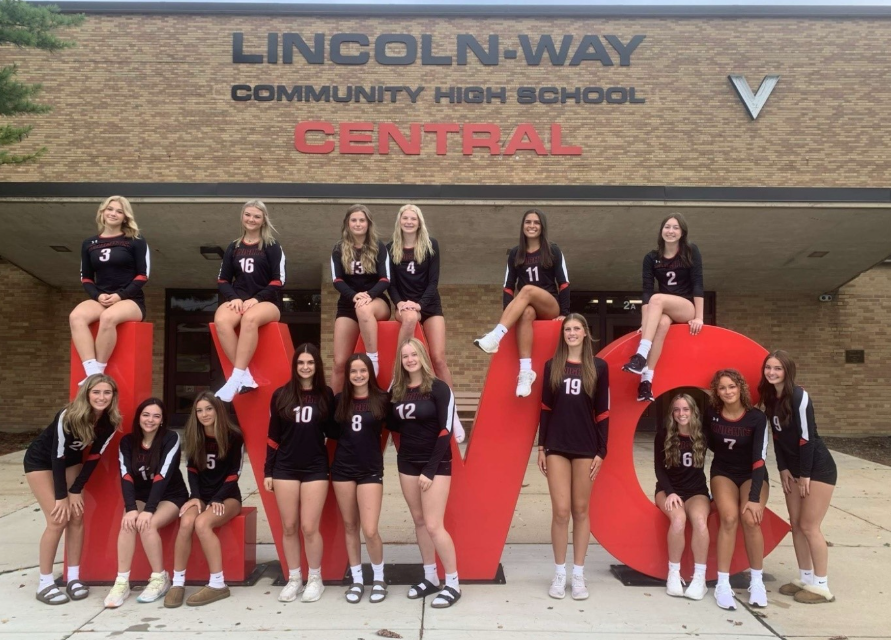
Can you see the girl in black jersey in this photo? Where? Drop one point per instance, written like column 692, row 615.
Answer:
column 296, row 470
column 214, row 451
column 808, row 473
column 57, row 471
column 414, row 263
column 251, row 279
column 422, row 407
column 358, row 469
column 572, row 441
column 536, row 287
column 360, row 270
column 677, row 266
column 737, row 433
column 682, row 493
column 114, row 266
column 153, row 491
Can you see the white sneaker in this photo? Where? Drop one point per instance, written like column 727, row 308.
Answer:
column 159, row 584
column 313, row 589
column 119, row 592
column 487, row 343
column 524, row 383
column 579, row 590
column 757, row 594
column 674, row 586
column 289, row 593
column 228, row 390
column 558, row 586
column 697, row 588
column 247, row 383
column 724, row 597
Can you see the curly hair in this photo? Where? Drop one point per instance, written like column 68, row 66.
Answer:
column 745, row 396
column 672, row 434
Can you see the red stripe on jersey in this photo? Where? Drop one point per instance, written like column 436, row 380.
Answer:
column 509, row 292
column 128, row 478
column 232, row 478
column 275, row 283
column 141, row 278
column 384, row 280
column 158, row 477
column 602, row 416
column 802, row 442
column 93, row 456
column 563, row 286
column 87, row 280
column 776, row 436
column 192, row 469
column 545, row 407
column 757, row 464
column 272, row 443
column 444, row 432
column 221, row 281
column 338, row 279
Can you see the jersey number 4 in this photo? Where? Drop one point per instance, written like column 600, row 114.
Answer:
column 411, row 267
column 211, row 461
column 247, row 265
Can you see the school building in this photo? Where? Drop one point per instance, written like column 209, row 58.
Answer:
column 766, row 127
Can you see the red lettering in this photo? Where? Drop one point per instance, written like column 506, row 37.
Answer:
column 349, row 136
column 442, row 130
column 525, row 138
column 491, row 141
column 557, row 148
column 303, row 128
column 388, row 130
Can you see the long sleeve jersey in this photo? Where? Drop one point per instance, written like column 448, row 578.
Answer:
column 425, row 422
column 118, row 265
column 247, row 271
column 571, row 421
column 553, row 279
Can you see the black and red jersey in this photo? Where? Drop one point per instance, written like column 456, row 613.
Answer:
column 248, row 271
column 55, row 450
column 358, row 450
column 686, row 479
column 355, row 280
column 296, row 445
column 115, row 264
column 740, row 447
column 414, row 281
column 799, row 449
column 553, row 279
column 571, row 420
column 140, row 482
column 425, row 422
column 219, row 479
column 673, row 277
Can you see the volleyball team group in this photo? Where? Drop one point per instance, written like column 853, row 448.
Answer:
column 353, row 410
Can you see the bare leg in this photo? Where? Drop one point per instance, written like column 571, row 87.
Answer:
column 409, row 320
column 349, row 511
column 433, row 502
column 126, row 549
column 753, row 536
column 225, row 321
column 41, row 484
column 581, row 500
column 814, row 508
column 677, row 524
column 435, row 331
column 524, row 332
column 74, row 532
column 312, row 501
column 346, row 331
column 80, row 319
column 166, row 513
column 412, row 493
column 370, row 496
column 107, row 336
column 799, row 540
column 369, row 315
column 698, row 508
column 287, row 497
column 656, row 350
column 545, row 305
column 251, row 321
column 182, row 548
column 210, row 543
column 727, row 498
column 560, row 487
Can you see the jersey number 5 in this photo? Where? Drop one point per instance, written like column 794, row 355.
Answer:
column 211, row 461
column 247, row 265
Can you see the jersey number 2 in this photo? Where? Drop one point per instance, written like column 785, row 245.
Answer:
column 672, row 278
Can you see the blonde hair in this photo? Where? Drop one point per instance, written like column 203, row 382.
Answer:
column 80, row 419
column 558, row 363
column 672, row 434
column 401, row 377
column 423, row 246
column 129, row 227
column 266, row 231
column 369, row 255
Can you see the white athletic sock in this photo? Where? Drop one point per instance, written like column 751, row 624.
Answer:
column 699, row 570
column 674, row 566
column 91, row 367
column 756, row 576
column 451, row 580
column 372, row 355
column 821, row 581
column 179, row 578
column 578, row 569
column 315, row 572
column 46, row 580
column 560, row 569
column 378, row 571
column 430, row 573
column 295, row 573
column 216, row 581
column 237, row 375
column 647, row 375
column 644, row 347
column 525, row 364
column 724, row 578
column 806, row 576
column 357, row 573
column 124, row 575
column 101, row 366
column 73, row 573
column 498, row 332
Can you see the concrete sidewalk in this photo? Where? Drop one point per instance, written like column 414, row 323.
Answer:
column 858, row 526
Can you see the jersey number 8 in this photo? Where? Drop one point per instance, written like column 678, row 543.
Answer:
column 357, row 423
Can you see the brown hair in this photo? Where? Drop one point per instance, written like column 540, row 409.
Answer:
column 292, row 395
column 346, row 243
column 377, row 397
column 558, row 363
column 194, row 432
column 685, row 251
column 745, row 397
column 547, row 258
column 774, row 406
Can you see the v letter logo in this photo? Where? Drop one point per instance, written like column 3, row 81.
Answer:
column 754, row 102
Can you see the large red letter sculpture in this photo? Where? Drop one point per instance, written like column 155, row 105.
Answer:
column 624, row 518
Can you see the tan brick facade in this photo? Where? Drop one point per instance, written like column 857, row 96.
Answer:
column 147, row 98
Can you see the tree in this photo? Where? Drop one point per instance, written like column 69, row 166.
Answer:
column 26, row 25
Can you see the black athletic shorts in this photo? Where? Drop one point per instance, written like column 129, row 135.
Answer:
column 33, row 462
column 178, row 498
column 234, row 492
column 368, row 478
column 569, row 456
column 685, row 495
column 300, row 476
column 823, row 468
column 141, row 304
column 431, row 310
column 415, row 468
column 346, row 308
column 738, row 478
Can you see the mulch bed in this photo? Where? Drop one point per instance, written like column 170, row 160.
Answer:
column 874, row 448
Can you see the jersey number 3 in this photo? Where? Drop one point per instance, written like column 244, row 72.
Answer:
column 104, row 255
